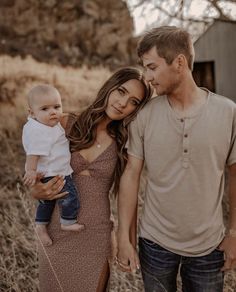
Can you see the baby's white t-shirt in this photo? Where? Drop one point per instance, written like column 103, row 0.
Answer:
column 51, row 144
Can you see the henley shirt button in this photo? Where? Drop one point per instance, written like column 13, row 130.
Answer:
column 185, row 164
column 186, row 136
column 181, row 120
column 185, row 150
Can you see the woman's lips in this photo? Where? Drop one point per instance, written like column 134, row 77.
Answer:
column 119, row 111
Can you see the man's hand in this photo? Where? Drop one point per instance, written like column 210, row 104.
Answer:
column 127, row 257
column 228, row 245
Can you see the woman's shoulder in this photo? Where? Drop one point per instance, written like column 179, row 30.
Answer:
column 67, row 119
column 64, row 119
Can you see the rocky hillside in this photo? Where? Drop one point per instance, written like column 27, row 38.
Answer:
column 71, row 32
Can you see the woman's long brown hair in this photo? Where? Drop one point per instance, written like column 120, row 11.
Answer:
column 83, row 131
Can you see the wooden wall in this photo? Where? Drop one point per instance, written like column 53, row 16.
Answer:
column 218, row 45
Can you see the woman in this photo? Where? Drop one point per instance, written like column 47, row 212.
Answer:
column 79, row 261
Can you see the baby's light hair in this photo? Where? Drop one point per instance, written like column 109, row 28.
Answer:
column 39, row 90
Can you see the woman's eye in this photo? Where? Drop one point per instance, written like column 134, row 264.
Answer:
column 134, row 102
column 121, row 91
column 57, row 107
column 44, row 108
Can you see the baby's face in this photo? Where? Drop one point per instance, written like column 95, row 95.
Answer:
column 47, row 109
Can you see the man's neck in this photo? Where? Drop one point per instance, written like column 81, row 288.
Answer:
column 187, row 98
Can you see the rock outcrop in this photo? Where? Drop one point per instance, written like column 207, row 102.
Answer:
column 72, row 32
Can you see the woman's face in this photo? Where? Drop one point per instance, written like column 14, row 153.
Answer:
column 125, row 99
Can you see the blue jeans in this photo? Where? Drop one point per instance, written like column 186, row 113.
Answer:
column 69, row 204
column 160, row 268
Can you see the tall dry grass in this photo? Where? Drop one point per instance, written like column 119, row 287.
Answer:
column 18, row 249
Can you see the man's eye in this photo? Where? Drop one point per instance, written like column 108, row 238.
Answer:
column 57, row 107
column 44, row 108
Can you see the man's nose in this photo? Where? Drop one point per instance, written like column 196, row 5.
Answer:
column 148, row 76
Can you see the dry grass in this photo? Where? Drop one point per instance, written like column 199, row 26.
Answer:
column 18, row 251
column 18, row 259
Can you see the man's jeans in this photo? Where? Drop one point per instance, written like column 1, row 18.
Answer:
column 160, row 268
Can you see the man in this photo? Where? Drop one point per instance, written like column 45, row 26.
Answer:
column 185, row 136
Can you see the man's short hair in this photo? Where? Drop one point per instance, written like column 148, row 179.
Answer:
column 170, row 41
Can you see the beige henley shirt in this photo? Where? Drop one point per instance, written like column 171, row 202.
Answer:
column 185, row 161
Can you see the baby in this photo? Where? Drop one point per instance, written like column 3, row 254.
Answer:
column 47, row 151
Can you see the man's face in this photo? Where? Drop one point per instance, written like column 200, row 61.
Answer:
column 163, row 77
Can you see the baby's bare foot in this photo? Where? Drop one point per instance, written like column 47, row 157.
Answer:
column 73, row 227
column 42, row 232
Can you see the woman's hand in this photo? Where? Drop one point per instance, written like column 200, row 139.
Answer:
column 50, row 190
column 127, row 257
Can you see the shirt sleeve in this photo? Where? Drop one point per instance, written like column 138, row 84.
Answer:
column 232, row 153
column 37, row 141
column 135, row 142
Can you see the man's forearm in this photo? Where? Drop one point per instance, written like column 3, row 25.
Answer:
column 232, row 199
column 127, row 202
column 127, row 199
column 133, row 228
column 228, row 245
